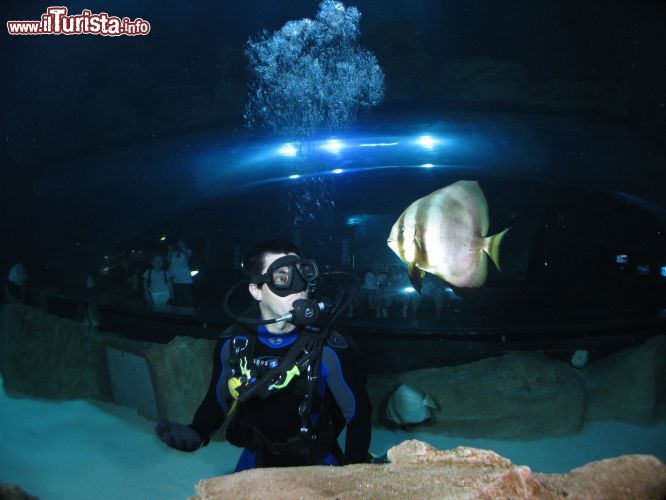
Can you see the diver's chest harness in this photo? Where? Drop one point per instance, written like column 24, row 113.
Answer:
column 300, row 370
column 271, row 373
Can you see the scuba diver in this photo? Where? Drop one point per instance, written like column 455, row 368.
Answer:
column 284, row 385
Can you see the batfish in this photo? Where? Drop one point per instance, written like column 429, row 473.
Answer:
column 408, row 405
column 444, row 233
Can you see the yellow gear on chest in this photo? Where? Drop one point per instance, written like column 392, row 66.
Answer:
column 246, row 378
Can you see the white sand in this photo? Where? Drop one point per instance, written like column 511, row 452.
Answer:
column 83, row 450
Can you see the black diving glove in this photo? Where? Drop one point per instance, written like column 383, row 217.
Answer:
column 178, row 436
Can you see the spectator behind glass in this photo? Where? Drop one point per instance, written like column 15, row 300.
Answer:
column 179, row 270
column 367, row 295
column 382, row 293
column 395, row 292
column 157, row 287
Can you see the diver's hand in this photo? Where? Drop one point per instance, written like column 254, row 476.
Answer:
column 178, row 436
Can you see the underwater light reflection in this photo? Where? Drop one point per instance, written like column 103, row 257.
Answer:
column 243, row 163
column 288, row 150
column 378, row 145
column 427, row 141
column 333, row 146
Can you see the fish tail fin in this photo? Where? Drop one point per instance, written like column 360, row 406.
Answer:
column 492, row 247
column 430, row 403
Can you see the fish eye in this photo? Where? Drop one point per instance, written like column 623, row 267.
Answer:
column 401, row 228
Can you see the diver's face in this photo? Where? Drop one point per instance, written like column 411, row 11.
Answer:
column 272, row 305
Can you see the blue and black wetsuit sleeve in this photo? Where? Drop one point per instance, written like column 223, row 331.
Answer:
column 346, row 381
column 212, row 411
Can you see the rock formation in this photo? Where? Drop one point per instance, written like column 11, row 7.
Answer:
column 523, row 394
column 419, row 471
column 518, row 395
column 54, row 358
column 629, row 385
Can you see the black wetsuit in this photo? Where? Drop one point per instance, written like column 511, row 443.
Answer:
column 341, row 393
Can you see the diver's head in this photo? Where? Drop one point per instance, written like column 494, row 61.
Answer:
column 278, row 277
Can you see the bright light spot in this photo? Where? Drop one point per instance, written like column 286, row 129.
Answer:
column 408, row 289
column 355, row 220
column 378, row 145
column 194, row 272
column 621, row 259
column 427, row 141
column 333, row 146
column 163, row 237
column 294, row 176
column 663, row 271
column 337, row 171
column 427, row 165
column 288, row 150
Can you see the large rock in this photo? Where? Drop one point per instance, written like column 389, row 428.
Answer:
column 627, row 476
column 180, row 371
column 419, row 471
column 55, row 358
column 514, row 396
column 52, row 358
column 629, row 385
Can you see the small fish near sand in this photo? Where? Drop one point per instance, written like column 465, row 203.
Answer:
column 409, row 405
column 444, row 233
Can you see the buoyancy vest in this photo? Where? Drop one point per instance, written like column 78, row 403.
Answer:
column 314, row 439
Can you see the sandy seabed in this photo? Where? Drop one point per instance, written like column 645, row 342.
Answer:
column 82, row 450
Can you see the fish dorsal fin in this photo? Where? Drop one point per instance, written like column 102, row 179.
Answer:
column 472, row 190
column 415, row 276
column 492, row 247
column 430, row 403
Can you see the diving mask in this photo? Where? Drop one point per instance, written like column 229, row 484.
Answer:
column 287, row 275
